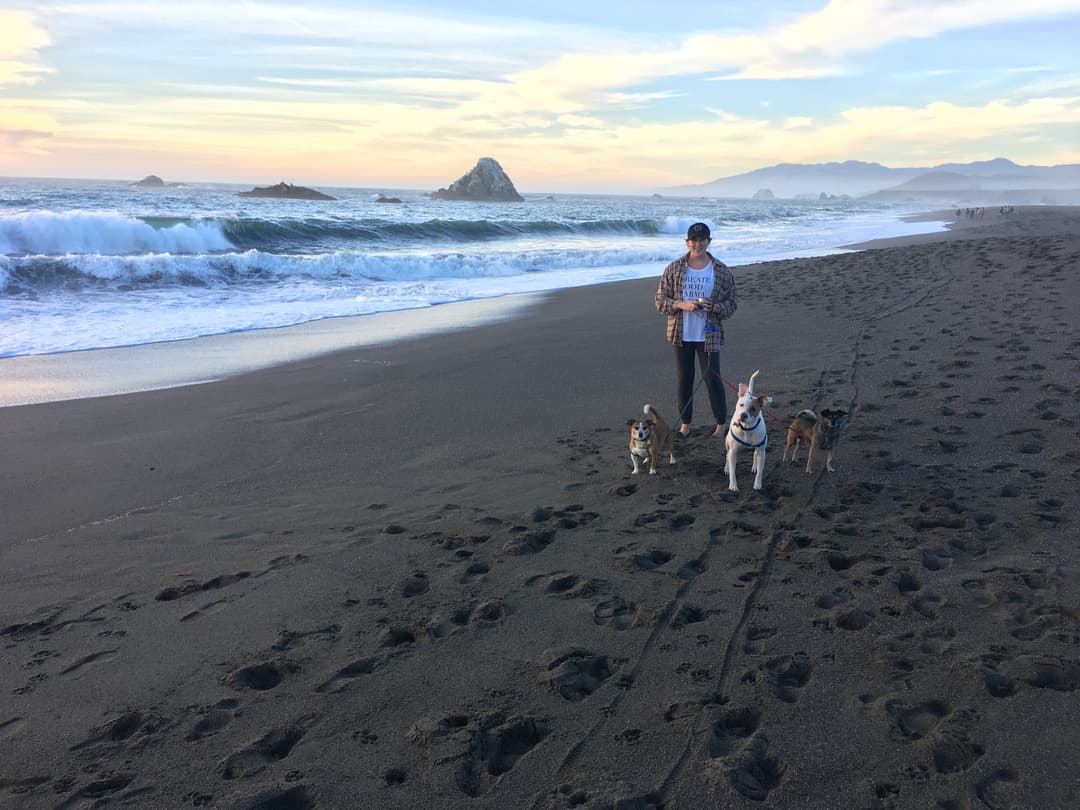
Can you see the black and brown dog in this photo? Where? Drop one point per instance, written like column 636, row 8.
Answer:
column 649, row 438
column 819, row 432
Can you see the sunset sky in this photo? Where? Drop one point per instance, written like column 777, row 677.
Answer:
column 567, row 96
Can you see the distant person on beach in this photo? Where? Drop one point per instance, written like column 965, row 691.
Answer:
column 696, row 293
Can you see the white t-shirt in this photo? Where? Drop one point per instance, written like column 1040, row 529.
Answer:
column 697, row 284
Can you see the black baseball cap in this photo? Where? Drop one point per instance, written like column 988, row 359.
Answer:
column 698, row 230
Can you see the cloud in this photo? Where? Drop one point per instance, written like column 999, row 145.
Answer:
column 815, row 44
column 20, row 40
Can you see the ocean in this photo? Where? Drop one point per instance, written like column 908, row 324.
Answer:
column 99, row 264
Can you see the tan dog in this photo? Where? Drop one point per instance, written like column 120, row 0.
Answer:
column 819, row 432
column 649, row 438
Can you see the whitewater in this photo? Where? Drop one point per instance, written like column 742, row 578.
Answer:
column 99, row 264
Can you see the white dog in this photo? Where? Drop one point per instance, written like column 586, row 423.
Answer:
column 747, row 429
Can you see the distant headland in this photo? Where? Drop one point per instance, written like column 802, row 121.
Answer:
column 285, row 190
column 986, row 182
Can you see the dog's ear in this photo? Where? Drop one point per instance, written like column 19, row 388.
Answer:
column 764, row 400
column 650, row 423
column 631, row 422
column 742, row 390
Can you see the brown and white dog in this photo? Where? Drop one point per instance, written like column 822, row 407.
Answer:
column 649, row 438
column 819, row 432
column 747, row 429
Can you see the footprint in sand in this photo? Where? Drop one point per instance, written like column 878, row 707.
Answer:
column 633, row 559
column 289, row 639
column 569, row 586
column 299, row 797
column 261, row 677
column 100, row 791
column 414, row 585
column 215, row 719
column 188, row 588
column 687, row 614
column 854, row 619
column 691, row 569
column 530, row 542
column 787, row 675
column 1000, row 789
column 118, row 730
column 734, row 726
column 396, row 637
column 616, row 613
column 473, row 571
column 754, row 772
column 955, row 753
column 674, row 521
column 575, row 673
column 345, row 676
column 85, row 661
column 495, row 748
column 262, row 753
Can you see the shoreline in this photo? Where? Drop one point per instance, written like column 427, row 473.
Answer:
column 37, row 379
column 87, row 373
column 422, row 574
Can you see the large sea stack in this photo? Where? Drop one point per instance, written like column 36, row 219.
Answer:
column 487, row 182
column 286, row 190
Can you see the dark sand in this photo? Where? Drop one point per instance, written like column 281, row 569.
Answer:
column 421, row 575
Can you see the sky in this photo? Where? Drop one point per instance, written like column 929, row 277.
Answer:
column 620, row 96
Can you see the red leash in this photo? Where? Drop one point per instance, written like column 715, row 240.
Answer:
column 767, row 413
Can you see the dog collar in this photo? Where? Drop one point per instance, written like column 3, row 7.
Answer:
column 751, row 427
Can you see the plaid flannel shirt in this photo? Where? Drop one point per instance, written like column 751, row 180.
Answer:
column 723, row 301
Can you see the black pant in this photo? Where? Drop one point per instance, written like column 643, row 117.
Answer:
column 684, row 386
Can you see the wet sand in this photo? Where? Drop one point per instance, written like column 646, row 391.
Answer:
column 422, row 573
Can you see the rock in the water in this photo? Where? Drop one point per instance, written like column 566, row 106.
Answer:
column 382, row 199
column 287, row 190
column 763, row 194
column 487, row 182
column 153, row 181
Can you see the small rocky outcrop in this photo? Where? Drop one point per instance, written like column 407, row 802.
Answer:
column 763, row 194
column 486, row 182
column 285, row 190
column 153, row 181
column 382, row 199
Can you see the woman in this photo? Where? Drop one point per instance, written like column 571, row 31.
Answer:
column 696, row 293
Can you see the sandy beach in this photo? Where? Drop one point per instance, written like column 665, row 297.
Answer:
column 421, row 573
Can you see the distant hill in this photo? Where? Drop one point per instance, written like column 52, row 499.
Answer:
column 996, row 178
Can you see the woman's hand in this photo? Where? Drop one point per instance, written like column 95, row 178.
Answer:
column 702, row 304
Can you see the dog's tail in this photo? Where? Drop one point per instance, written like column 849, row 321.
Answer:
column 651, row 411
